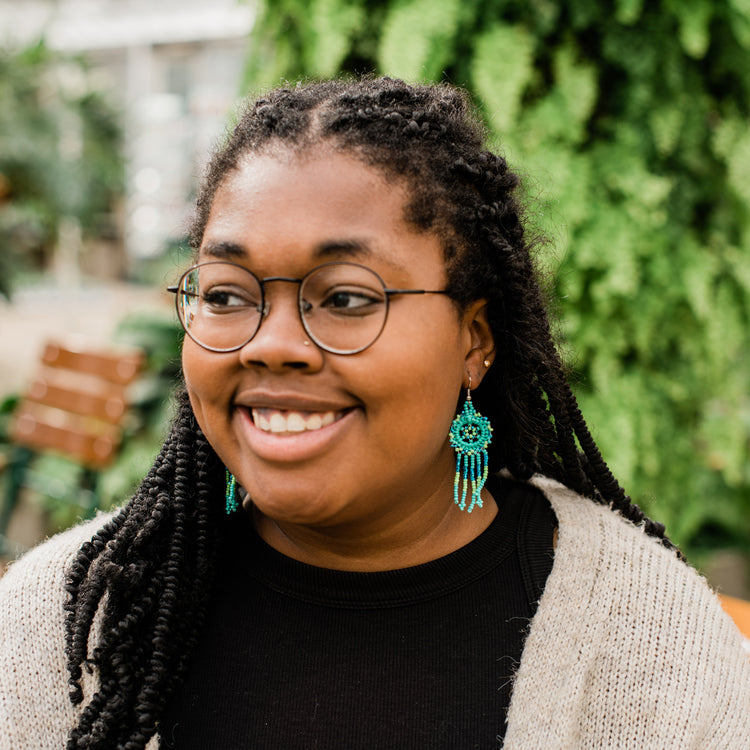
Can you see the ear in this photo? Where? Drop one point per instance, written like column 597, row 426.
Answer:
column 480, row 349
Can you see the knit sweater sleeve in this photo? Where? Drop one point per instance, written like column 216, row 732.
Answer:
column 629, row 647
column 35, row 711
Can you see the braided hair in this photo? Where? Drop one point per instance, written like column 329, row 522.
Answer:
column 146, row 576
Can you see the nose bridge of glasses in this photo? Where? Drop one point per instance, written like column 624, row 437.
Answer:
column 272, row 279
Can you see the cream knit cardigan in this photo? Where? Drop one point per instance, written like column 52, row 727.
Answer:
column 629, row 647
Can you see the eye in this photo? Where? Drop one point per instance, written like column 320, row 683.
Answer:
column 358, row 301
column 229, row 299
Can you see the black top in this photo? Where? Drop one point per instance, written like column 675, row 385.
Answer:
column 293, row 656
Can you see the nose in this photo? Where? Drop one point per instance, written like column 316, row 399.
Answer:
column 281, row 342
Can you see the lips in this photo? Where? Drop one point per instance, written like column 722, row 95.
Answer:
column 286, row 432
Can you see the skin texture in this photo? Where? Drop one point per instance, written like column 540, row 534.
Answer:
column 374, row 490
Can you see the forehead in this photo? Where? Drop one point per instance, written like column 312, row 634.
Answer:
column 321, row 189
column 287, row 206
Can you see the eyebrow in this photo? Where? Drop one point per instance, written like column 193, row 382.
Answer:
column 341, row 249
column 224, row 250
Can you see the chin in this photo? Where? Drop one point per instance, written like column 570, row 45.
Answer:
column 297, row 507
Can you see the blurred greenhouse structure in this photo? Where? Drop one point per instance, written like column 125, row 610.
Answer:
column 171, row 68
column 108, row 111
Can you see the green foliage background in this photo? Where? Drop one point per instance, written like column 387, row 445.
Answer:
column 630, row 122
column 60, row 156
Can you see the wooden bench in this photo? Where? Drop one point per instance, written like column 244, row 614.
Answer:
column 74, row 406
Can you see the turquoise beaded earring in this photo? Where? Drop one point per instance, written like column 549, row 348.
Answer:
column 470, row 434
column 232, row 504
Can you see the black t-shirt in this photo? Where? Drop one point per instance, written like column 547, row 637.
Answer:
column 298, row 657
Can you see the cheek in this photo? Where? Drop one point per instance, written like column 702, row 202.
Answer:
column 205, row 379
column 419, row 376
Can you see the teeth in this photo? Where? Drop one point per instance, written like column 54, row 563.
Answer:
column 315, row 422
column 291, row 421
column 278, row 423
column 295, row 423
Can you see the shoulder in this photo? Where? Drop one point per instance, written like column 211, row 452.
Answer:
column 33, row 576
column 605, row 561
column 34, row 706
column 626, row 626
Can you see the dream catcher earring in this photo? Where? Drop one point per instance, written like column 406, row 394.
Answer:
column 470, row 434
column 232, row 503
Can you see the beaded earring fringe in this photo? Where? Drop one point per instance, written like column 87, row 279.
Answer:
column 470, row 434
column 232, row 504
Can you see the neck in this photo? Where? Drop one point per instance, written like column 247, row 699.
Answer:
column 430, row 530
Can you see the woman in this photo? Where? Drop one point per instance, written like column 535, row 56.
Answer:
column 324, row 553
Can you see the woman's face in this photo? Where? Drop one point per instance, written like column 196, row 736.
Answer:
column 375, row 443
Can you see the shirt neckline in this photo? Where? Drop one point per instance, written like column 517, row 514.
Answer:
column 251, row 557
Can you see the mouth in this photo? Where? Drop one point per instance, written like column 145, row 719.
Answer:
column 293, row 422
column 285, row 429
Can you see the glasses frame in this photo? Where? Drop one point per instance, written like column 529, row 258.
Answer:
column 265, row 305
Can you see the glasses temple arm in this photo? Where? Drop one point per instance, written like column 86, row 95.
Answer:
column 185, row 293
column 416, row 291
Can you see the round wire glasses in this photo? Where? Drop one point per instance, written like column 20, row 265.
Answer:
column 343, row 306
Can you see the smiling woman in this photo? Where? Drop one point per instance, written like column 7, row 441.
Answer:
column 387, row 410
column 379, row 519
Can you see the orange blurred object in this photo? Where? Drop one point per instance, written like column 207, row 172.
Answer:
column 739, row 611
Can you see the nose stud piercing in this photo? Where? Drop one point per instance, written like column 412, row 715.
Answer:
column 306, row 343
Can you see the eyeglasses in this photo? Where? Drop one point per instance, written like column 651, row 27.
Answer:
column 343, row 306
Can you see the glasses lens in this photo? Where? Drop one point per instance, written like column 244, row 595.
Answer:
column 343, row 306
column 220, row 305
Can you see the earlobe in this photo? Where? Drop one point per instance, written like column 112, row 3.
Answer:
column 481, row 350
